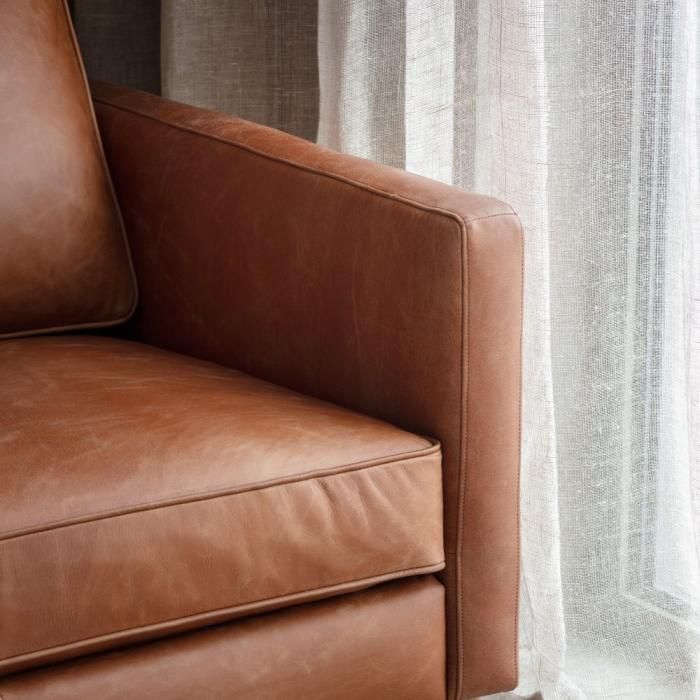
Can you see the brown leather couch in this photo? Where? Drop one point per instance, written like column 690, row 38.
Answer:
column 293, row 473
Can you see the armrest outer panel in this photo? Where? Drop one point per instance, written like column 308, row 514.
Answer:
column 367, row 286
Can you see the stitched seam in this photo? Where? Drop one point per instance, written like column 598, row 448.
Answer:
column 300, row 166
column 520, row 436
column 473, row 220
column 69, row 327
column 232, row 608
column 394, row 460
column 464, row 390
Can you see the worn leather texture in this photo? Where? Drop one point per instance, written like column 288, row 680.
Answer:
column 387, row 643
column 145, row 493
column 63, row 256
column 375, row 289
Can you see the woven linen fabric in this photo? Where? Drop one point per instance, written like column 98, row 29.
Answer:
column 584, row 117
column 582, row 114
column 252, row 58
column 120, row 41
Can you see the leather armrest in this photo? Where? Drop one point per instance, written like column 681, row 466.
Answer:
column 367, row 286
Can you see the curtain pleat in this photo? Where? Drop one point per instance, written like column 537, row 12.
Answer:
column 362, row 56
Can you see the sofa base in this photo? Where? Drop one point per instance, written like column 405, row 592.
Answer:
column 385, row 643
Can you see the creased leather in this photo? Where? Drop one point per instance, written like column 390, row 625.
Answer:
column 373, row 288
column 383, row 644
column 146, row 493
column 63, row 256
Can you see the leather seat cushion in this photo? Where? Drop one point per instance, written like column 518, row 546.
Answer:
column 144, row 492
column 387, row 643
column 64, row 261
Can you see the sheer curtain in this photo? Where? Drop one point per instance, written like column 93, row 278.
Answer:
column 583, row 114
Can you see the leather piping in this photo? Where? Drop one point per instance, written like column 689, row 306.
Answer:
column 516, row 616
column 396, row 460
column 464, row 392
column 220, row 614
column 460, row 220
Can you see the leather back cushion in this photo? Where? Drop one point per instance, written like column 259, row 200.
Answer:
column 64, row 261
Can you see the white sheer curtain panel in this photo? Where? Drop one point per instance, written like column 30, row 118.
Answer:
column 584, row 116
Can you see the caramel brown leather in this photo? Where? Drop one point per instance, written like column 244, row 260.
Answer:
column 383, row 644
column 145, row 492
column 373, row 288
column 63, row 256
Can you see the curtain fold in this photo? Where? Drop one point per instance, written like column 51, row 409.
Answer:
column 584, row 116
